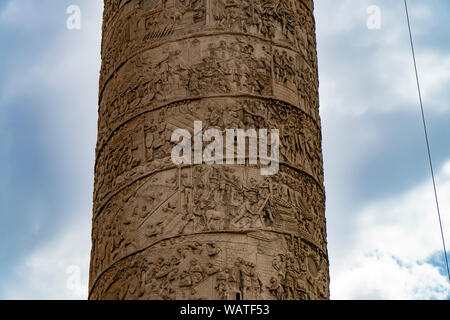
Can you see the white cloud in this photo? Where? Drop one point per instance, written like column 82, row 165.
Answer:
column 363, row 70
column 435, row 79
column 446, row 170
column 396, row 238
column 382, row 250
column 43, row 274
column 381, row 276
column 65, row 76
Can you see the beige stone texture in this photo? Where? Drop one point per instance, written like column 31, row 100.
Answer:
column 162, row 231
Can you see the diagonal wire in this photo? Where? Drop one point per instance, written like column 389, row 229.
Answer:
column 426, row 138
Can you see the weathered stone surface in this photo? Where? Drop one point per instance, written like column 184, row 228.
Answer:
column 162, row 231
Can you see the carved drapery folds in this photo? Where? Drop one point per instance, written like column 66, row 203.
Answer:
column 162, row 231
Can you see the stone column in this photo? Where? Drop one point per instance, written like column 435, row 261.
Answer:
column 166, row 231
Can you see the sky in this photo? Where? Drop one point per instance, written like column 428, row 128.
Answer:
column 383, row 231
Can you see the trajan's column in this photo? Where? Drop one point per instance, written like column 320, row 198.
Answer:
column 222, row 231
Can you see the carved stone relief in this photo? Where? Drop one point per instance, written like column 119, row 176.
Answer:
column 255, row 266
column 167, row 231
